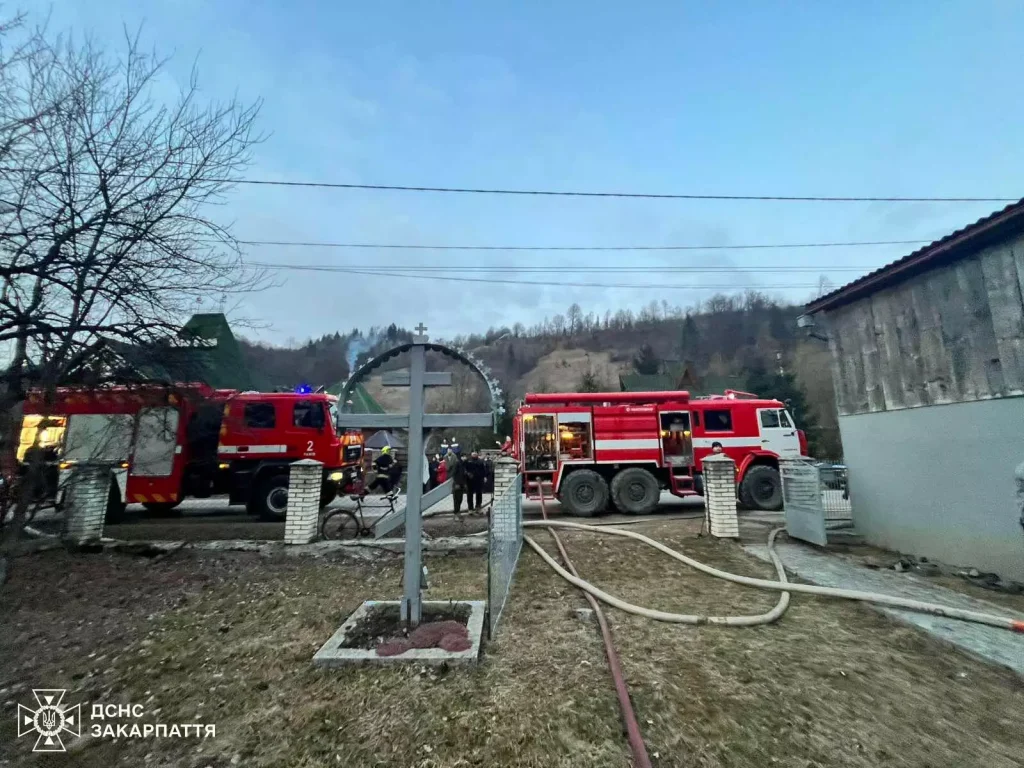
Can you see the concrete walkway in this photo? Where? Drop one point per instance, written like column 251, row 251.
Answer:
column 997, row 646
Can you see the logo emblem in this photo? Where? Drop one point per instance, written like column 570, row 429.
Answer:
column 49, row 719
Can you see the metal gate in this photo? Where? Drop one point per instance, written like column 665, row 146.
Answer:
column 813, row 494
column 802, row 501
column 504, row 543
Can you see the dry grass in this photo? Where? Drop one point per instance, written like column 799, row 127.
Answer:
column 561, row 371
column 228, row 639
column 832, row 683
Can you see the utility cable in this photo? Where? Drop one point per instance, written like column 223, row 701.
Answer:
column 548, row 283
column 531, row 192
column 412, row 246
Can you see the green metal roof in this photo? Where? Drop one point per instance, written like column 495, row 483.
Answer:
column 362, row 402
column 205, row 350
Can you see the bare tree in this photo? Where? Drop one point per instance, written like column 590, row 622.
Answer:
column 574, row 318
column 107, row 198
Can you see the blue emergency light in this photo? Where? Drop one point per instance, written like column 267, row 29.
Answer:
column 303, row 389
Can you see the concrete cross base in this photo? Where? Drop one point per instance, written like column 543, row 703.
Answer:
column 332, row 654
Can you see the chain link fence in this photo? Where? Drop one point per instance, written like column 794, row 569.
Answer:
column 504, row 543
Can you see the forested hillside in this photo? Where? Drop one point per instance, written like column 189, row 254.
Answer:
column 748, row 340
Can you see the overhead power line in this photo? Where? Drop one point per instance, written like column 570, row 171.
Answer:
column 563, row 192
column 642, row 195
column 727, row 269
column 544, row 283
column 416, row 247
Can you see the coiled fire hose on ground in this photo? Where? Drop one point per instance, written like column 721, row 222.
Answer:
column 782, row 585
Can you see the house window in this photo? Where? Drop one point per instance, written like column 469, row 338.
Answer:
column 770, row 419
column 718, row 421
column 259, row 415
column 308, row 415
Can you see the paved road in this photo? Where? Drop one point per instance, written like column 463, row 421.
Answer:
column 829, row 570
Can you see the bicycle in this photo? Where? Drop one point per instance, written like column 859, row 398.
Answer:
column 345, row 523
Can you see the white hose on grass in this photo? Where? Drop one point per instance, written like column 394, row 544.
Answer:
column 677, row 618
column 782, row 585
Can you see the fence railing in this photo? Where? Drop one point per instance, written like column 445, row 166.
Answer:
column 504, row 543
column 814, row 493
column 833, row 480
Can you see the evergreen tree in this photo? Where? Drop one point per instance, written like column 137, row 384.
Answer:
column 689, row 339
column 783, row 386
column 589, row 382
column 646, row 361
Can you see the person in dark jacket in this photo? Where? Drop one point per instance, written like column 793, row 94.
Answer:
column 432, row 469
column 475, row 471
column 457, row 474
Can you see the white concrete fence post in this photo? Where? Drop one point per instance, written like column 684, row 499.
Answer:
column 505, row 470
column 85, row 498
column 302, row 515
column 720, row 496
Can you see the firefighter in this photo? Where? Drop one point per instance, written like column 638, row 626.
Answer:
column 385, row 466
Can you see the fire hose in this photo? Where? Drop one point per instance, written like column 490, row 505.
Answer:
column 782, row 585
column 633, row 735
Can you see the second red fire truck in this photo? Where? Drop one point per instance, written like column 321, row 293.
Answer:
column 170, row 442
column 597, row 450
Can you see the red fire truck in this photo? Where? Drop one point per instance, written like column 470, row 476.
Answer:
column 167, row 443
column 596, row 449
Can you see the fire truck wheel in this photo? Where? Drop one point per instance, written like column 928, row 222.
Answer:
column 762, row 488
column 165, row 509
column 270, row 500
column 115, row 507
column 328, row 493
column 584, row 493
column 636, row 491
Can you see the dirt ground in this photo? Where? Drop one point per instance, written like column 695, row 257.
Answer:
column 227, row 638
column 227, row 523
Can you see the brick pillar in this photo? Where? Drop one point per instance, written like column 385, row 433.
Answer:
column 302, row 516
column 85, row 498
column 720, row 496
column 505, row 470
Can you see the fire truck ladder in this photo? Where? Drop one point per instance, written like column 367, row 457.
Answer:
column 680, row 481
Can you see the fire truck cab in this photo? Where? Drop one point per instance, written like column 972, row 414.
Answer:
column 596, row 450
column 167, row 443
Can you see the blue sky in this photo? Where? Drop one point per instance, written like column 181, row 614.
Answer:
column 869, row 98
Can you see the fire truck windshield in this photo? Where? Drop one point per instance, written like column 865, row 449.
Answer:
column 332, row 408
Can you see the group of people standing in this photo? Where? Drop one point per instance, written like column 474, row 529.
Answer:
column 470, row 478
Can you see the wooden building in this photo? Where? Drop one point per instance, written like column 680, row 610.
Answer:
column 928, row 366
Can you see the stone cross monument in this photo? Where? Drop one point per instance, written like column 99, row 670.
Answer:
column 415, row 421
